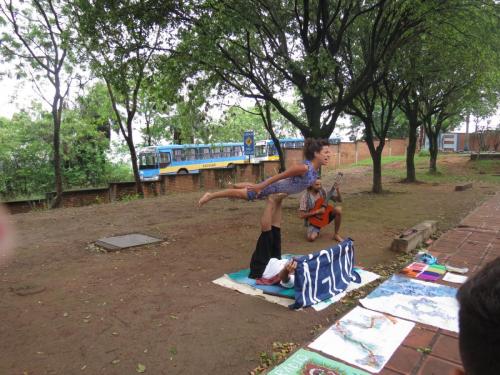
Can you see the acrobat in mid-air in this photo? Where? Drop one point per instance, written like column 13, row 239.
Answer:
column 292, row 181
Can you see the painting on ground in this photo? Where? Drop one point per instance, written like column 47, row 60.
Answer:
column 306, row 362
column 416, row 300
column 364, row 338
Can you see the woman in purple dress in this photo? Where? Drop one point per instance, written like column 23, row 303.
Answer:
column 295, row 179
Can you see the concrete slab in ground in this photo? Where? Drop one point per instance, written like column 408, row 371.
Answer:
column 413, row 237
column 126, row 241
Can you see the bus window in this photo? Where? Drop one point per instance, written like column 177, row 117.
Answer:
column 190, row 154
column 202, row 153
column 178, row 155
column 164, row 159
column 147, row 160
column 217, row 152
column 260, row 151
column 227, row 152
column 236, row 151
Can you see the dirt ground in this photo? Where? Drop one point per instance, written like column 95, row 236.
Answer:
column 98, row 313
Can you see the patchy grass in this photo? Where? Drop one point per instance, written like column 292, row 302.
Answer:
column 452, row 168
column 385, row 160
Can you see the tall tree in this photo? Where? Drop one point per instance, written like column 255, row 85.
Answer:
column 265, row 48
column 448, row 71
column 121, row 40
column 39, row 43
column 376, row 107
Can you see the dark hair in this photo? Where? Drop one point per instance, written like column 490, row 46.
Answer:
column 479, row 321
column 313, row 145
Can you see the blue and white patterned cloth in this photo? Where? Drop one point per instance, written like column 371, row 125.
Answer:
column 291, row 185
column 322, row 275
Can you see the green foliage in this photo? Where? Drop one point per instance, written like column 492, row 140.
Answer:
column 26, row 153
column 39, row 45
column 265, row 49
column 116, row 172
column 95, row 107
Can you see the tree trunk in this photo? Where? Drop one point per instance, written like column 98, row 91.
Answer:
column 56, row 116
column 268, row 122
column 410, row 154
column 466, row 141
column 433, row 151
column 135, row 168
column 376, row 155
column 377, row 172
column 148, row 132
column 177, row 136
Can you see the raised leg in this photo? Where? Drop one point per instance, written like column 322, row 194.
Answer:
column 228, row 193
column 240, row 185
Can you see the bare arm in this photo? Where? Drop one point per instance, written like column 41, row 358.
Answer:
column 305, row 214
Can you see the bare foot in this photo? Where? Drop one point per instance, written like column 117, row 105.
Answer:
column 337, row 238
column 204, row 199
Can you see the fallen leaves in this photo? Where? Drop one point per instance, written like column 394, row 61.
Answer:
column 140, row 368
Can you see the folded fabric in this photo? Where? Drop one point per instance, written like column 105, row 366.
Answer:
column 322, row 275
column 268, row 281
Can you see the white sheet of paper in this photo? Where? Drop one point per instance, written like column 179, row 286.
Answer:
column 364, row 338
column 454, row 278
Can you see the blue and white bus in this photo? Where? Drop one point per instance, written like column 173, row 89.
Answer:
column 190, row 158
column 266, row 150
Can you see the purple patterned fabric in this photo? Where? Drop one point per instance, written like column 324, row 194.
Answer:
column 290, row 185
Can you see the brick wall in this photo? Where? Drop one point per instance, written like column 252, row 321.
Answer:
column 119, row 190
column 270, row 168
column 18, row 207
column 349, row 152
column 81, row 197
column 181, row 183
column 247, row 173
column 491, row 141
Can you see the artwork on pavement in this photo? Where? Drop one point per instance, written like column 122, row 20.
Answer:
column 422, row 271
column 364, row 338
column 416, row 300
column 306, row 362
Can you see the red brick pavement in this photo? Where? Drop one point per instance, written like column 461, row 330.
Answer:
column 476, row 241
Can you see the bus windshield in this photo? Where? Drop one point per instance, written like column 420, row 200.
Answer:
column 147, row 160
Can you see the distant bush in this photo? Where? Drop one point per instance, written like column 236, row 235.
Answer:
column 119, row 172
column 424, row 153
